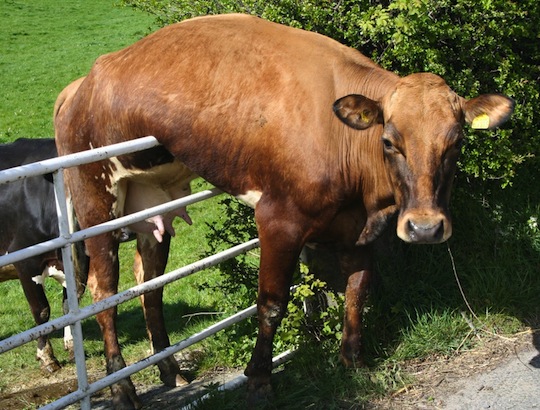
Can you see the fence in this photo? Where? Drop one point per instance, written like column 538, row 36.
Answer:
column 66, row 238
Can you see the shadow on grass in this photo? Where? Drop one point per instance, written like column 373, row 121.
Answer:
column 132, row 326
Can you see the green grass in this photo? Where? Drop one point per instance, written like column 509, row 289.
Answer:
column 45, row 45
column 414, row 311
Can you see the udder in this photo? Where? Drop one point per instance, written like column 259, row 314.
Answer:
column 141, row 196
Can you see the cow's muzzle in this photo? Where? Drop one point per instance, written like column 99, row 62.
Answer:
column 424, row 227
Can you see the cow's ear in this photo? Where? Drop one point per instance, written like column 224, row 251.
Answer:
column 357, row 111
column 488, row 111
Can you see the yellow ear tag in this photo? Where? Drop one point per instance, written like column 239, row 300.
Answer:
column 480, row 122
column 366, row 116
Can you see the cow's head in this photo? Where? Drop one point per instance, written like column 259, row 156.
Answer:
column 421, row 141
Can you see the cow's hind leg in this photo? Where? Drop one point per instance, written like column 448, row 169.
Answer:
column 55, row 270
column 39, row 305
column 356, row 265
column 103, row 282
column 281, row 243
column 150, row 262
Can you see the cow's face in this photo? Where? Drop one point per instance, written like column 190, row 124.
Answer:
column 421, row 142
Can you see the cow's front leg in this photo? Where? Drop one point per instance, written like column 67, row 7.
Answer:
column 280, row 244
column 150, row 262
column 357, row 267
column 103, row 282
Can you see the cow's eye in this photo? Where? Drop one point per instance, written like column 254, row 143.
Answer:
column 387, row 144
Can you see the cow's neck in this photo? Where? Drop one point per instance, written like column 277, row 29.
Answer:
column 363, row 166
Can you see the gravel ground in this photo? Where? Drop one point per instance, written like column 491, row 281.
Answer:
column 515, row 384
column 502, row 374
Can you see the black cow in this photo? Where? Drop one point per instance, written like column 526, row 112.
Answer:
column 28, row 216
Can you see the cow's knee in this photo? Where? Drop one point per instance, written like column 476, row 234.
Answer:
column 272, row 314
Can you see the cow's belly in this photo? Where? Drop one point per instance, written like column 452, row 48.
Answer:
column 137, row 190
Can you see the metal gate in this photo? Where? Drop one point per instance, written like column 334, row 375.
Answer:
column 67, row 237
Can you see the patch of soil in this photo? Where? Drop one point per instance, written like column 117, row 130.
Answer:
column 437, row 378
column 37, row 391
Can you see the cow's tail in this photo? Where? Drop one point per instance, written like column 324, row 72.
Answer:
column 81, row 261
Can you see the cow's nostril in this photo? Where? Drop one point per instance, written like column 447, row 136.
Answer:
column 425, row 232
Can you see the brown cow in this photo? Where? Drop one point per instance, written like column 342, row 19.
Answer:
column 325, row 144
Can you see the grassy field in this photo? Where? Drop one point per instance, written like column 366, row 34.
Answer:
column 416, row 310
column 45, row 46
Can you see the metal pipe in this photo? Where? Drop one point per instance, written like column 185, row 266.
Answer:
column 100, row 306
column 78, row 158
column 76, row 315
column 135, row 367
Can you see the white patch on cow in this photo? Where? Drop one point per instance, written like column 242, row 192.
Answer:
column 41, row 354
column 39, row 279
column 68, row 338
column 136, row 189
column 250, row 198
column 56, row 274
column 53, row 272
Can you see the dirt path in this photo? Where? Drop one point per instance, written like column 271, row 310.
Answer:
column 502, row 374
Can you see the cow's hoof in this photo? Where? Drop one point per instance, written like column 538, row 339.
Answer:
column 50, row 367
column 180, row 381
column 174, row 380
column 124, row 396
column 170, row 373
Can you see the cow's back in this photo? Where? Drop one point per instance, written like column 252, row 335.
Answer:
column 26, row 150
column 234, row 81
column 27, row 212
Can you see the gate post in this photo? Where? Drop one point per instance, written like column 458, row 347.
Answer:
column 64, row 218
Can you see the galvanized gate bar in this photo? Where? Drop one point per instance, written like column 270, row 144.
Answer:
column 71, row 285
column 79, row 158
column 65, row 240
column 142, row 364
column 61, row 322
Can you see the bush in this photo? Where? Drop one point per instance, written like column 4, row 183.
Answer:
column 477, row 46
